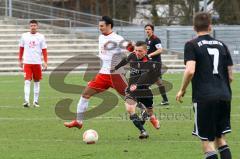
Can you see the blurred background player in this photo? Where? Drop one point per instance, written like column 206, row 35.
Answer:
column 143, row 73
column 154, row 48
column 209, row 67
column 32, row 47
column 110, row 53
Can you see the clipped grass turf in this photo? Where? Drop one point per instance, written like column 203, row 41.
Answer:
column 39, row 133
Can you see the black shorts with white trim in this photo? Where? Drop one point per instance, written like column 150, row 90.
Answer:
column 212, row 119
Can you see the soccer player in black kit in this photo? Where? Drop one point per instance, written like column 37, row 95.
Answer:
column 143, row 73
column 154, row 48
column 209, row 68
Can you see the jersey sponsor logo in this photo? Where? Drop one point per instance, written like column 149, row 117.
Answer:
column 32, row 44
column 110, row 45
column 148, row 47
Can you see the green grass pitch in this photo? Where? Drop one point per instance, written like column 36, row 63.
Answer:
column 38, row 133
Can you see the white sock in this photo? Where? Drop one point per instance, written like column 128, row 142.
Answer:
column 36, row 91
column 81, row 108
column 27, row 85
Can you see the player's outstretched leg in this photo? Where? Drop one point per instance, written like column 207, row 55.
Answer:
column 81, row 108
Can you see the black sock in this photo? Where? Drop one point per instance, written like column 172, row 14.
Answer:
column 163, row 92
column 211, row 155
column 225, row 152
column 137, row 122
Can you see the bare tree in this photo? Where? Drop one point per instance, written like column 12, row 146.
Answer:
column 228, row 10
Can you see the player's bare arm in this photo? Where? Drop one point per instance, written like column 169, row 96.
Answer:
column 157, row 52
column 187, row 77
column 230, row 73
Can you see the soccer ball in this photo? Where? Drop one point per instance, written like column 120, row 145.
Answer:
column 90, row 136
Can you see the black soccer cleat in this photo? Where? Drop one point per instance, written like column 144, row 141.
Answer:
column 26, row 105
column 164, row 103
column 143, row 135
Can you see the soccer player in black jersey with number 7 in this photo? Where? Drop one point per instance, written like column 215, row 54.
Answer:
column 209, row 68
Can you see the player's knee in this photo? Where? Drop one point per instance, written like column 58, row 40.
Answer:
column 130, row 109
column 220, row 141
column 134, row 117
column 87, row 96
column 159, row 82
column 208, row 146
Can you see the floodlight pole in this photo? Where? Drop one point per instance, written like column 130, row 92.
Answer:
column 6, row 8
column 10, row 8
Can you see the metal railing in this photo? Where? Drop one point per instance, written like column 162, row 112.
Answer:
column 28, row 10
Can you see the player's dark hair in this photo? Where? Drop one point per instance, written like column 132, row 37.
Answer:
column 149, row 25
column 141, row 43
column 33, row 21
column 201, row 21
column 107, row 20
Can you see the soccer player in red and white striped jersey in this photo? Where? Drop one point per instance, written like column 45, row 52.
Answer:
column 32, row 46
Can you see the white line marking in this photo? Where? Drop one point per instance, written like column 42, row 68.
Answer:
column 106, row 140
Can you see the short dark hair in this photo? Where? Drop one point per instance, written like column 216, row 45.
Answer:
column 141, row 43
column 149, row 25
column 107, row 20
column 201, row 21
column 33, row 21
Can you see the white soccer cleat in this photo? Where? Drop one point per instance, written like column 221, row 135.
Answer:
column 35, row 104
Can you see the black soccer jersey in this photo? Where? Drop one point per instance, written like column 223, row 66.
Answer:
column 143, row 72
column 211, row 80
column 154, row 43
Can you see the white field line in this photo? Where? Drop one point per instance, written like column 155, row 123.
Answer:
column 157, row 107
column 106, row 140
column 47, row 97
column 123, row 118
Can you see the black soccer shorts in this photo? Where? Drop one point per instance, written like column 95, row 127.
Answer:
column 144, row 96
column 212, row 119
column 147, row 102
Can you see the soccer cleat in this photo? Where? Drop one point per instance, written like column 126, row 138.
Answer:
column 143, row 135
column 26, row 104
column 35, row 104
column 155, row 122
column 73, row 123
column 164, row 103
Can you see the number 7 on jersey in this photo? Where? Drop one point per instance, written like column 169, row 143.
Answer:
column 215, row 53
